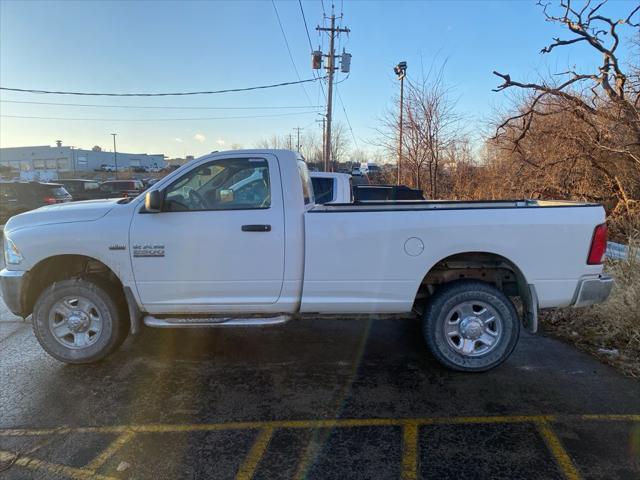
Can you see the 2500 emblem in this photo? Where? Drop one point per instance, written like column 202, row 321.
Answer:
column 148, row 250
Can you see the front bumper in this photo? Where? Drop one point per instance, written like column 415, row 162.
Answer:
column 592, row 290
column 12, row 285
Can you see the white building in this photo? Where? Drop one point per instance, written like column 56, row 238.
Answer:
column 45, row 162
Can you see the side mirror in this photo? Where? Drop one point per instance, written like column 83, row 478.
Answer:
column 153, row 201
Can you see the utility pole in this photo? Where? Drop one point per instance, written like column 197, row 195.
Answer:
column 73, row 159
column 401, row 71
column 324, row 136
column 346, row 61
column 289, row 143
column 115, row 155
column 297, row 129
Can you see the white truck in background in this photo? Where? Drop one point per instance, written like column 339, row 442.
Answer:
column 330, row 187
column 336, row 188
column 236, row 239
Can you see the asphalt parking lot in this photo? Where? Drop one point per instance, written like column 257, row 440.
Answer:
column 320, row 399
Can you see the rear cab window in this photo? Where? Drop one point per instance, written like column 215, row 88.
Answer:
column 323, row 190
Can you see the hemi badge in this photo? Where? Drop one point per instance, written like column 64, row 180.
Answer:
column 117, row 247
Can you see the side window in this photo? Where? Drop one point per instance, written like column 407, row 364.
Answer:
column 307, row 187
column 88, row 186
column 322, row 189
column 227, row 184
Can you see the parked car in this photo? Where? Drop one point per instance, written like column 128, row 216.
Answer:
column 147, row 182
column 122, row 188
column 107, row 167
column 194, row 252
column 81, row 189
column 20, row 197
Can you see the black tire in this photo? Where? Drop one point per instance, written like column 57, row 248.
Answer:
column 109, row 306
column 465, row 292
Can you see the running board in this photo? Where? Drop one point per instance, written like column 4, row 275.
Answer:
column 195, row 322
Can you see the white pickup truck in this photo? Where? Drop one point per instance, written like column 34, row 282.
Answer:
column 235, row 239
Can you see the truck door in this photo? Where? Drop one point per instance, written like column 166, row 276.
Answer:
column 218, row 241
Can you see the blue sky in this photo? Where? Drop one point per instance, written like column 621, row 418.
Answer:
column 150, row 46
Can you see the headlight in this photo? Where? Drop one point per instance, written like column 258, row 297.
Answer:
column 12, row 255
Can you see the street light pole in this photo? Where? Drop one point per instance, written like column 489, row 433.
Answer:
column 401, row 71
column 73, row 159
column 115, row 155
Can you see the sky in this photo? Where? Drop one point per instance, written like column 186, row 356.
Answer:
column 166, row 46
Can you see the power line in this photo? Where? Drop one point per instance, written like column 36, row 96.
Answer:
column 306, row 27
column 286, row 42
column 174, row 94
column 168, row 107
column 157, row 119
column 347, row 118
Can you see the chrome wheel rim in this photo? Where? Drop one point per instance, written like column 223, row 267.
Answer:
column 473, row 328
column 75, row 322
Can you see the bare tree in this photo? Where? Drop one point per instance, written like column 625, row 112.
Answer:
column 274, row 141
column 430, row 125
column 591, row 118
column 339, row 144
column 311, row 147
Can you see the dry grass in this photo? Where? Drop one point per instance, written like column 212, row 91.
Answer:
column 611, row 331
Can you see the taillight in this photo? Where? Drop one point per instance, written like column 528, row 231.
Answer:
column 50, row 200
column 598, row 245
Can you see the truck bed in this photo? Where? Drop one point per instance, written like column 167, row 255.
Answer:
column 404, row 205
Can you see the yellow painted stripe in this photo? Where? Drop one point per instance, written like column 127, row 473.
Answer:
column 108, row 452
column 624, row 418
column 563, row 460
column 53, row 468
column 409, row 452
column 314, row 424
column 254, row 456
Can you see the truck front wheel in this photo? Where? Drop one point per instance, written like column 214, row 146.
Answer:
column 470, row 326
column 79, row 320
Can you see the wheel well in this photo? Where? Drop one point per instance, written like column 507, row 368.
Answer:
column 487, row 267
column 63, row 267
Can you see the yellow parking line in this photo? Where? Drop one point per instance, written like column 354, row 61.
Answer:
column 409, row 452
column 53, row 468
column 624, row 418
column 108, row 452
column 563, row 460
column 315, row 424
column 255, row 454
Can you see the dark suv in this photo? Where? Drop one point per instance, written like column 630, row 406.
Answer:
column 122, row 188
column 82, row 189
column 19, row 197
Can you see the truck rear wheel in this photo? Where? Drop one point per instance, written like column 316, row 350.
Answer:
column 470, row 326
column 79, row 320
